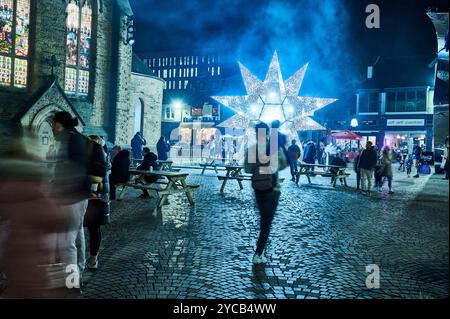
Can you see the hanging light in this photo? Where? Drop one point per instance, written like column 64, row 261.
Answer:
column 354, row 123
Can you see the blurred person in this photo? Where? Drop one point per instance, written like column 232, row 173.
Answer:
column 71, row 187
column 51, row 154
column 357, row 171
column 309, row 156
column 32, row 221
column 340, row 162
column 150, row 161
column 416, row 156
column 294, row 154
column 114, row 151
column 366, row 164
column 386, row 168
column 119, row 171
column 163, row 148
column 321, row 156
column 408, row 165
column 137, row 144
column 264, row 167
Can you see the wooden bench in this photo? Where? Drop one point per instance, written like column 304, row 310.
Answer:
column 340, row 174
column 175, row 184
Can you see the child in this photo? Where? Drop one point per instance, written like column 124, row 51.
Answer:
column 408, row 165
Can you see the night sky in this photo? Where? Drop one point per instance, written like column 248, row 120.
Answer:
column 329, row 34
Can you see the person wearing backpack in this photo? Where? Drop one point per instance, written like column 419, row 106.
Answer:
column 263, row 161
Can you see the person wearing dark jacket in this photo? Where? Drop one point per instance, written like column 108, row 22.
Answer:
column 149, row 161
column 357, row 171
column 119, row 171
column 366, row 164
column 310, row 153
column 162, row 147
column 293, row 156
column 137, row 143
column 71, row 187
column 337, row 161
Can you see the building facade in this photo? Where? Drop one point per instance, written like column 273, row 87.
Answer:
column 191, row 78
column 74, row 55
column 396, row 116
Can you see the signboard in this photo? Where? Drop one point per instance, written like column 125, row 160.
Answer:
column 197, row 111
column 405, row 122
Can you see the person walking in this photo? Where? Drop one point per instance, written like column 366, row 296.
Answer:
column 408, row 165
column 119, row 171
column 386, row 168
column 366, row 165
column 137, row 143
column 294, row 154
column 264, row 168
column 357, row 171
column 416, row 156
column 445, row 158
column 162, row 148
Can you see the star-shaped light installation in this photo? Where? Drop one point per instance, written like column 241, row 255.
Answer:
column 273, row 99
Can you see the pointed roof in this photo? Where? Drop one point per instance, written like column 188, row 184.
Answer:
column 138, row 66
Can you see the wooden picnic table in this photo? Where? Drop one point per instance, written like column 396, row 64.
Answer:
column 176, row 183
column 308, row 171
column 212, row 163
column 233, row 172
column 165, row 165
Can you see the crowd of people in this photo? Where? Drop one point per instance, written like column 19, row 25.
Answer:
column 72, row 190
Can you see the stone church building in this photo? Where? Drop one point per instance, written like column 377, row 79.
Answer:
column 76, row 55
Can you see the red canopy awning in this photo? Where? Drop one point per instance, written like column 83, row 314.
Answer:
column 346, row 135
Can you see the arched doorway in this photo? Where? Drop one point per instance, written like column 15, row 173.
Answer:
column 138, row 116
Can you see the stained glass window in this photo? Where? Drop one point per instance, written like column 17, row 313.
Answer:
column 78, row 46
column 14, row 42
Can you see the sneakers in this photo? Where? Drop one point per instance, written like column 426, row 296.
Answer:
column 391, row 192
column 416, row 176
column 259, row 259
column 92, row 262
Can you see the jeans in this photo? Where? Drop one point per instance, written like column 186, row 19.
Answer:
column 267, row 204
column 366, row 179
column 358, row 179
column 389, row 179
column 294, row 167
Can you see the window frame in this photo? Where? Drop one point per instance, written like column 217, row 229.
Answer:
column 13, row 56
column 78, row 68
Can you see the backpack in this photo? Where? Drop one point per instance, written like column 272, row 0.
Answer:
column 261, row 181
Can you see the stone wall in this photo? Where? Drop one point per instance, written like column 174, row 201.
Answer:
column 149, row 90
column 48, row 31
column 124, row 115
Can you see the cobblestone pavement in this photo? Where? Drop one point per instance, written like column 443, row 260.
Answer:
column 321, row 242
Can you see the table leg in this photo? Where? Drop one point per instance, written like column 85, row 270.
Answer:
column 225, row 181
column 188, row 193
column 122, row 193
column 204, row 168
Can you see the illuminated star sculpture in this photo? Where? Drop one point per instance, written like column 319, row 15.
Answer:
column 273, row 99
